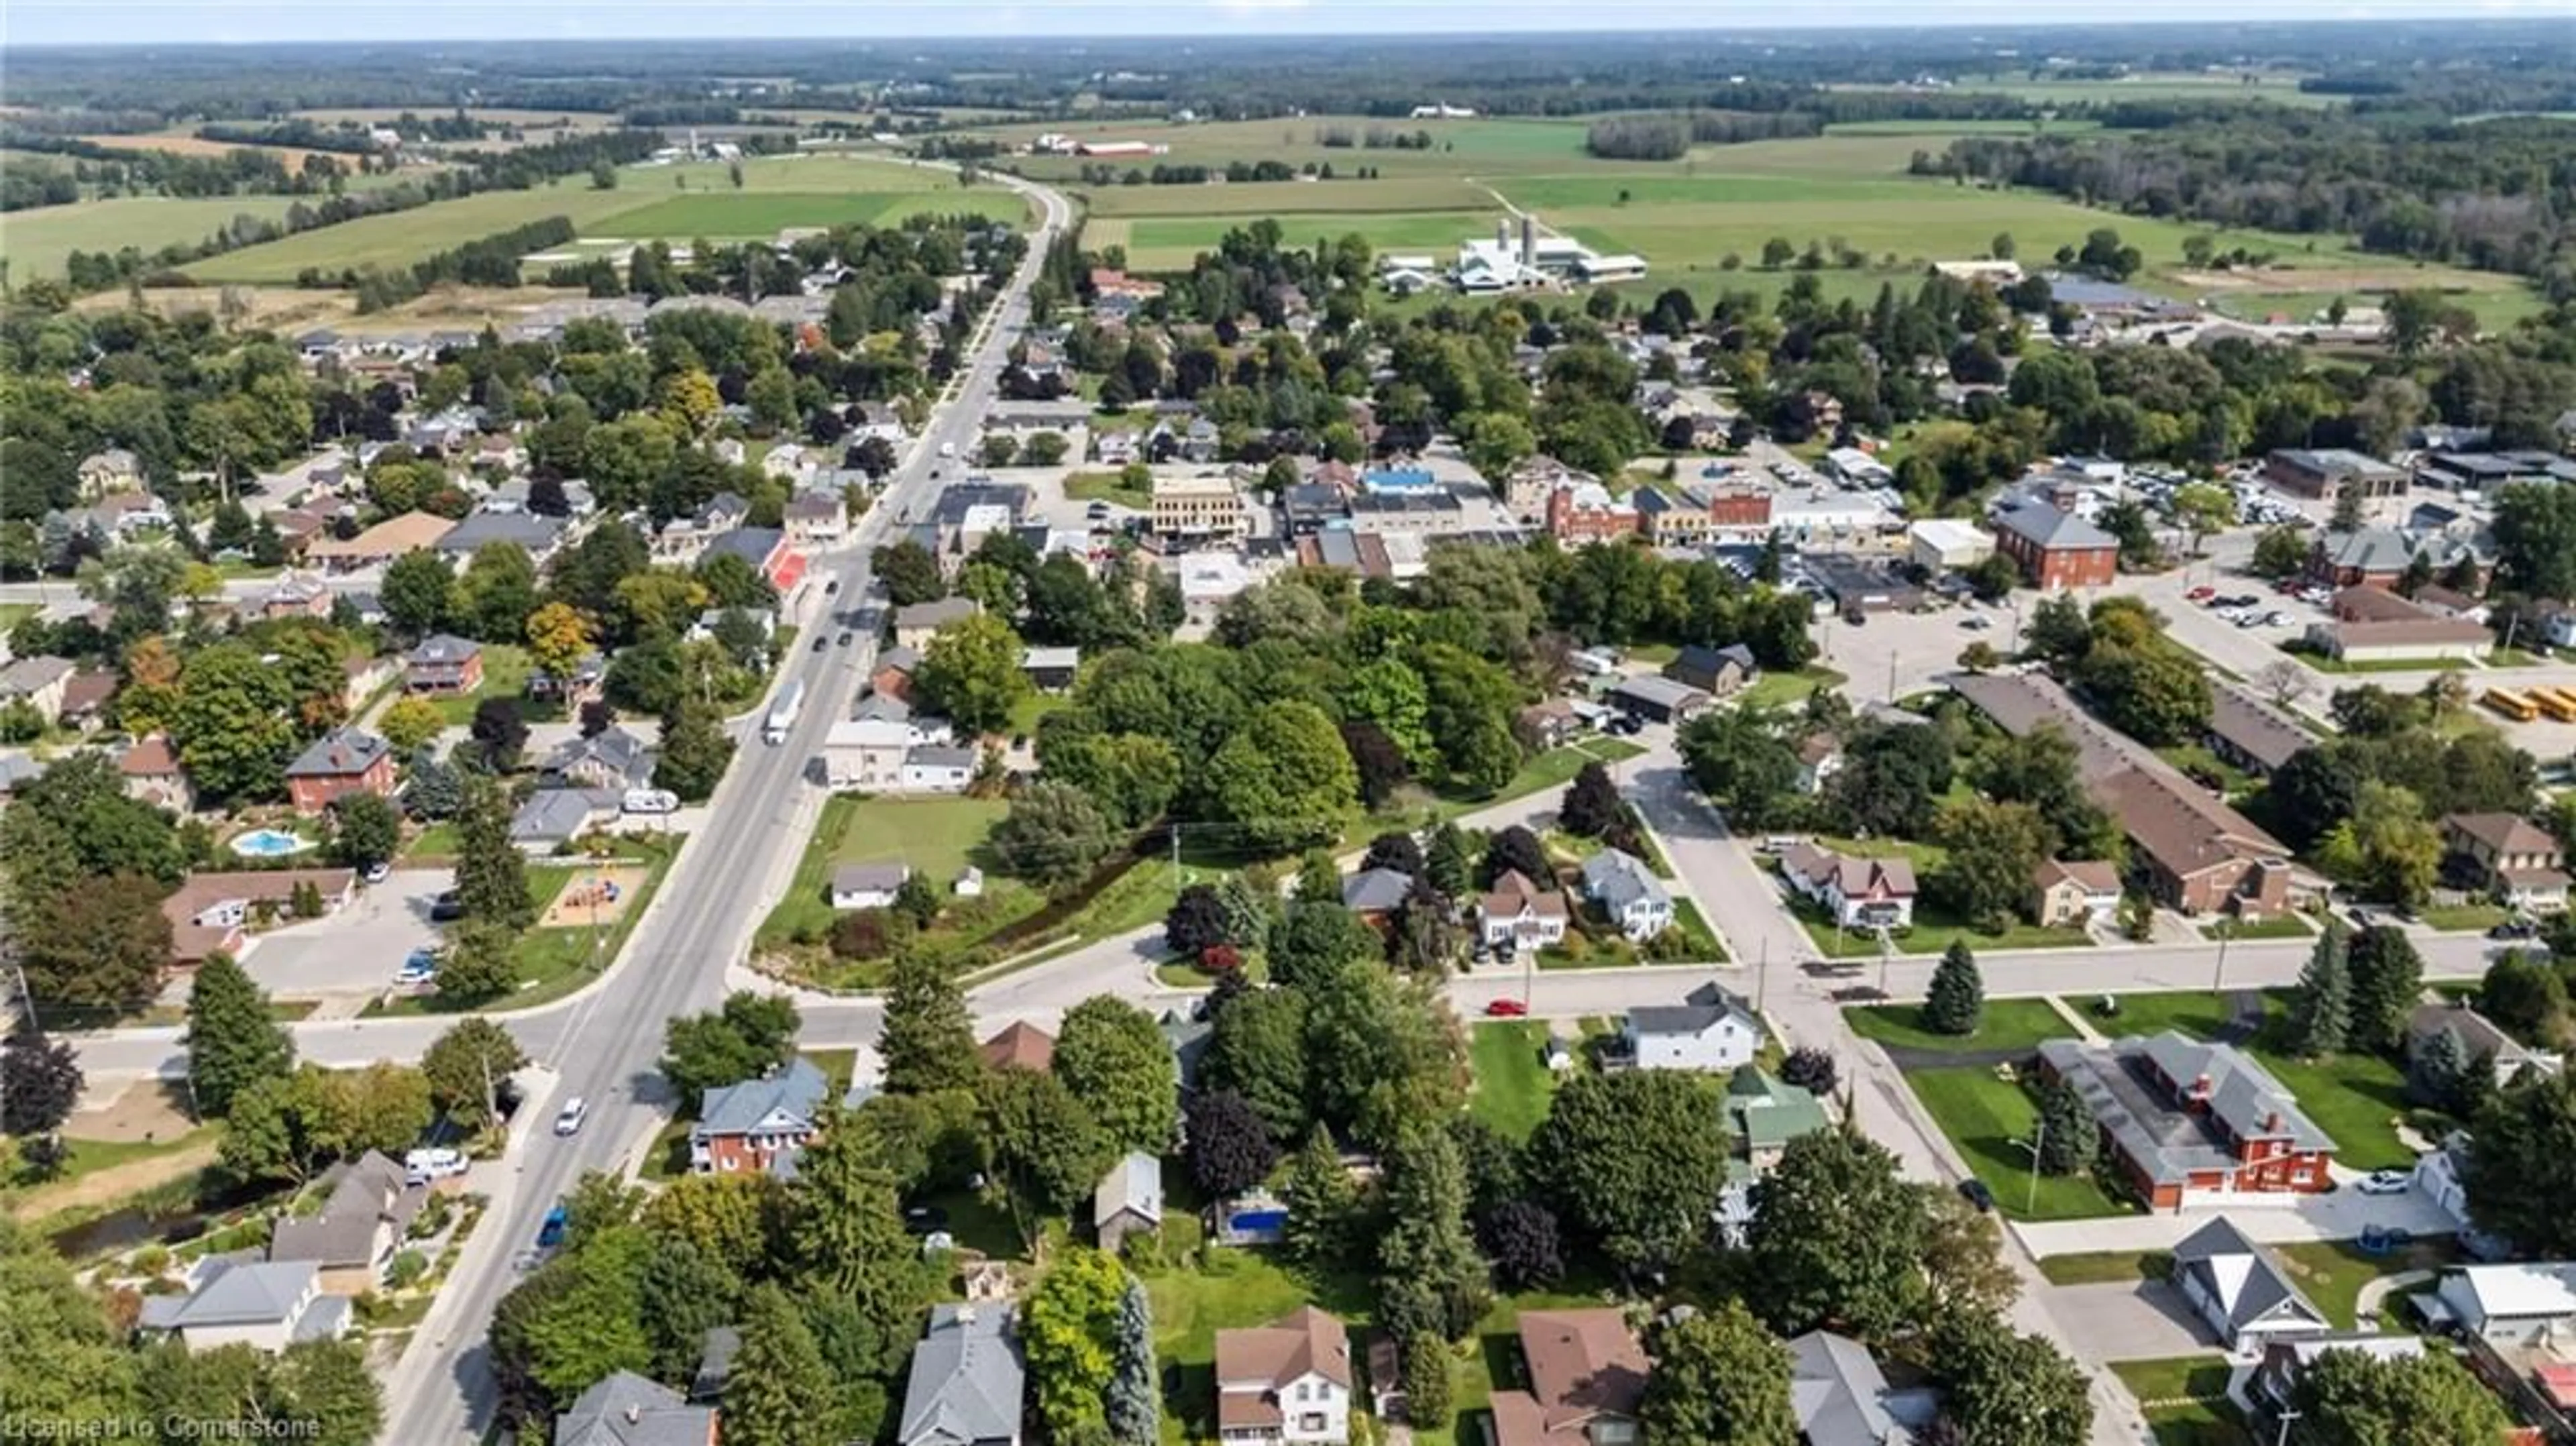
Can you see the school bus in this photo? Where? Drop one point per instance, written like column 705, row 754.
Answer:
column 2558, row 703
column 2511, row 704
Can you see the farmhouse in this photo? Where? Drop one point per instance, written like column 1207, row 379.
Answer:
column 2187, row 1122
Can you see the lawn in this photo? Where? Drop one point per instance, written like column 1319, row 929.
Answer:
column 2478, row 917
column 2186, row 1400
column 1694, row 926
column 2005, row 1024
column 556, row 962
column 2106, row 1267
column 505, row 675
column 1106, row 487
column 1513, row 1083
column 1983, row 1116
column 2279, row 926
column 1782, row 690
column 2197, row 1014
column 2333, row 1272
column 935, row 835
column 35, row 242
column 1234, row 1289
column 1933, row 933
column 437, row 842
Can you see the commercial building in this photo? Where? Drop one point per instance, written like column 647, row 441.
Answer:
column 2327, row 474
column 1202, row 507
column 1945, row 544
column 2056, row 550
column 2376, row 625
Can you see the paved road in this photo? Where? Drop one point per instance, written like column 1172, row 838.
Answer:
column 677, row 958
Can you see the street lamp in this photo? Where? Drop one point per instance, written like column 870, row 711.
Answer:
column 2226, row 932
column 2031, row 1207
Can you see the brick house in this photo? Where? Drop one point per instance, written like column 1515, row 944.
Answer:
column 342, row 761
column 2184, row 1121
column 2056, row 550
column 444, row 663
column 754, row 1125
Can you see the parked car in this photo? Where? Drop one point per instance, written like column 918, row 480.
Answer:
column 831, row 587
column 820, row 643
column 2280, row 619
column 551, row 1233
column 2383, row 1182
column 2514, row 929
column 650, row 801
column 422, row 1166
column 845, row 639
column 446, row 908
column 418, row 967
column 1507, row 1009
column 1975, row 624
column 1974, row 1191
column 378, row 872
column 568, row 1119
column 922, row 1219
column 2201, row 594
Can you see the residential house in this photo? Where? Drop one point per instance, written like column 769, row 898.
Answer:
column 2514, row 1305
column 917, row 624
column 1544, row 726
column 867, row 886
column 1202, row 507
column 816, row 519
column 1587, row 1376
column 1658, row 700
column 2375, row 625
column 551, row 818
column 38, row 682
column 297, row 595
column 612, row 758
column 589, row 672
column 870, row 751
column 1711, row 1030
column 2249, row 733
column 343, row 761
column 783, row 462
column 684, row 539
column 361, row 1226
column 2327, row 474
column 2075, row 893
column 444, row 664
column 2480, row 1041
column 265, row 1306
column 1841, row 1397
column 215, row 911
column 966, row 1383
column 1374, row 894
column 361, row 679
column 1021, row 1045
column 752, row 1125
column 1286, row 1382
column 112, row 470
column 153, row 775
column 1856, row 893
column 1767, row 1113
column 2056, row 550
column 1628, row 893
column 2286, row 1359
column 1718, row 672
column 86, row 694
column 1820, row 757
column 538, row 536
column 770, row 554
column 936, row 768
column 625, row 1409
column 1128, row 1200
column 892, row 676
column 2190, row 1123
column 2518, row 860
column 2240, row 1291
column 1051, row 670
column 1520, row 915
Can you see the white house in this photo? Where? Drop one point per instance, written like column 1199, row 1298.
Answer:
column 936, row 768
column 1858, row 893
column 1521, row 914
column 2239, row 1291
column 1711, row 1030
column 870, row 750
column 1628, row 892
column 265, row 1306
column 1286, row 1382
column 867, row 886
column 2514, row 1305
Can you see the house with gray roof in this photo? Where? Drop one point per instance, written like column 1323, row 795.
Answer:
column 610, row 758
column 443, row 663
column 2192, row 1123
column 1628, row 893
column 625, row 1409
column 536, row 534
column 267, row 1306
column 1376, row 892
column 867, row 886
column 554, row 817
column 752, row 1125
column 915, row 625
column 1710, row 1030
column 2056, row 549
column 1128, row 1201
column 360, row 1228
column 1841, row 1397
column 966, row 1382
column 2250, row 733
column 2240, row 1291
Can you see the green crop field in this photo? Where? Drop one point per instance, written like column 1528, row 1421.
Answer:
column 1550, row 193
column 1169, row 243
column 2184, row 85
column 403, row 237
column 1470, row 147
column 36, row 241
column 1274, row 198
column 740, row 215
column 1946, row 128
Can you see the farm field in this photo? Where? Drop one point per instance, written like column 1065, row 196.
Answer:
column 1157, row 243
column 738, row 215
column 1271, row 198
column 1473, row 147
column 2277, row 88
column 402, row 237
column 35, row 242
column 184, row 142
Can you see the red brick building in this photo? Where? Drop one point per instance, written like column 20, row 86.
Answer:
column 1587, row 513
column 343, row 761
column 2184, row 1121
column 2057, row 550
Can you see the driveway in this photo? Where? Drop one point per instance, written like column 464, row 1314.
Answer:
column 2339, row 1215
column 356, row 950
column 2126, row 1321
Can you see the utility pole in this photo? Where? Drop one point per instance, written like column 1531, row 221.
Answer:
column 2226, row 932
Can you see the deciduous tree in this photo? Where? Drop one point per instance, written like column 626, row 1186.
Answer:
column 366, row 830
column 1229, row 1149
column 2522, row 1167
column 1640, row 1158
column 1720, row 1379
column 1070, row 1338
column 467, row 1068
column 2016, row 1389
column 40, row 1082
column 1114, row 1059
column 409, row 723
column 2355, row 1398
column 971, row 672
column 1054, row 836
column 1283, row 779
column 1836, row 1236
column 99, row 943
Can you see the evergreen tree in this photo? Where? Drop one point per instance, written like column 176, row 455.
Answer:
column 1450, row 861
column 2070, row 1141
column 232, row 1043
column 491, row 873
column 2387, row 983
column 2321, row 1009
column 927, row 1040
column 2440, row 1066
column 778, row 1378
column 845, row 1224
column 1430, row 1277
column 1133, row 1402
column 1958, row 996
column 1427, row 1402
column 1320, row 1199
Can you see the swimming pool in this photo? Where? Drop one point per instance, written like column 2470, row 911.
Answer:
column 269, row 843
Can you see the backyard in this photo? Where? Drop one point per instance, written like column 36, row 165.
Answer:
column 1513, row 1083
column 2185, row 1400
column 2014, row 1024
column 1992, row 1121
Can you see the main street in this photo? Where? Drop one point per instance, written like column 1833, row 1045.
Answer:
column 603, row 1048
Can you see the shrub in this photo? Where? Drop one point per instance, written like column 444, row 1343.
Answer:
column 150, row 1260
column 1220, row 959
column 405, row 1268
column 865, row 934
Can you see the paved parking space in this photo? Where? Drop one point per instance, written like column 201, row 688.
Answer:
column 2144, row 1321
column 356, row 950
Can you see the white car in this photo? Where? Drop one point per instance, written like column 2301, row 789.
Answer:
column 2383, row 1182
column 568, row 1119
column 420, row 1167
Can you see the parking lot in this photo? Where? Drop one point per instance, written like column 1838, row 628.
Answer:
column 355, row 951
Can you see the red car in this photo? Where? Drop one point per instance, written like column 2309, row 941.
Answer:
column 1507, row 1008
column 2200, row 594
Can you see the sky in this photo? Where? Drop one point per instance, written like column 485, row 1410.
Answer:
column 44, row 22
